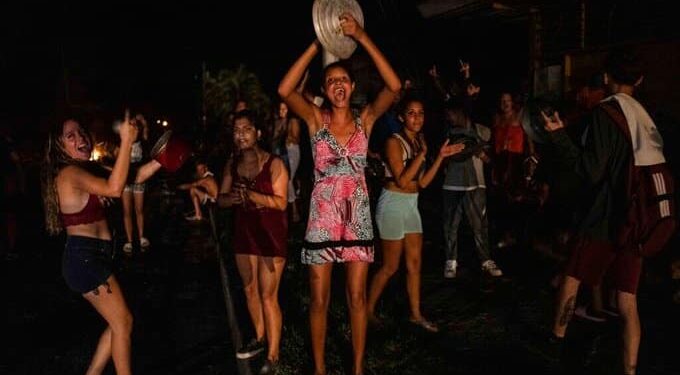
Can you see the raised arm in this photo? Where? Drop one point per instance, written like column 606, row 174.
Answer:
column 113, row 186
column 290, row 82
column 385, row 98
column 445, row 151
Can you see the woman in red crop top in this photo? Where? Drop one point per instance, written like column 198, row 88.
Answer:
column 71, row 192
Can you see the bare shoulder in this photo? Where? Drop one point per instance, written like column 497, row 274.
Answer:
column 70, row 172
column 276, row 164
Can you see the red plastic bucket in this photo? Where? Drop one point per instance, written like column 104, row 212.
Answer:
column 171, row 151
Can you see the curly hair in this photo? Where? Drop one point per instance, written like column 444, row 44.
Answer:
column 56, row 158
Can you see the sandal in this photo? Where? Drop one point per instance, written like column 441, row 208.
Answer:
column 425, row 324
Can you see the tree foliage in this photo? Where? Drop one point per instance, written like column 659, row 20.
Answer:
column 224, row 89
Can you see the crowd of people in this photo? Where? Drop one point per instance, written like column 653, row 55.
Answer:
column 487, row 163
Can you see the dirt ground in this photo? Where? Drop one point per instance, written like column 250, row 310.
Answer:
column 488, row 326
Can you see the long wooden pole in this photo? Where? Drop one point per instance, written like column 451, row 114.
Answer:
column 242, row 365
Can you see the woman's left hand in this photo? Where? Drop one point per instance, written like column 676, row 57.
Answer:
column 350, row 26
column 449, row 150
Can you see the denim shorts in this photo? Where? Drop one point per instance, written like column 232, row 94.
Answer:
column 86, row 263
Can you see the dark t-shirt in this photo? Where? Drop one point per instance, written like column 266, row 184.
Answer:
column 601, row 166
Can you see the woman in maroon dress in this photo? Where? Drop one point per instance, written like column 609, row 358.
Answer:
column 255, row 184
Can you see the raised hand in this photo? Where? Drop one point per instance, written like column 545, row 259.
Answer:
column 449, row 150
column 552, row 123
column 350, row 26
column 472, row 89
column 464, row 69
column 128, row 128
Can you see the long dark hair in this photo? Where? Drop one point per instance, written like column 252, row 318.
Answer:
column 55, row 159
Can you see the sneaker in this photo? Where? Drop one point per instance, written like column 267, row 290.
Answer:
column 491, row 267
column 269, row 367
column 450, row 269
column 193, row 218
column 250, row 349
column 554, row 348
column 585, row 312
column 127, row 248
column 507, row 242
column 144, row 243
column 425, row 324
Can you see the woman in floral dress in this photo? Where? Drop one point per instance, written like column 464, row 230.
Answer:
column 339, row 228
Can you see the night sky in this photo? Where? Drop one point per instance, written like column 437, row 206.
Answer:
column 108, row 55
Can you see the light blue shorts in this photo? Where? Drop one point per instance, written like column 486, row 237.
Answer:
column 397, row 214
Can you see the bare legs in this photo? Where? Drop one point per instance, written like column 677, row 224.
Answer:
column 320, row 285
column 391, row 256
column 627, row 304
column 261, row 277
column 139, row 212
column 355, row 290
column 269, row 271
column 196, row 197
column 566, row 303
column 414, row 247
column 392, row 250
column 127, row 214
column 356, row 300
column 133, row 200
column 115, row 340
column 628, row 309
column 247, row 267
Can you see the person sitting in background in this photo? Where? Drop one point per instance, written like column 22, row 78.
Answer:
column 202, row 190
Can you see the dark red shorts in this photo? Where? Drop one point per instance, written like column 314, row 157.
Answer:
column 590, row 260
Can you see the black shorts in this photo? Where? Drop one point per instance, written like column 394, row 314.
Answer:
column 86, row 263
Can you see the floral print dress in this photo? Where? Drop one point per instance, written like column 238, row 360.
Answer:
column 339, row 227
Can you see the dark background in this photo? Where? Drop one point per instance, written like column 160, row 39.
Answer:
column 103, row 56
